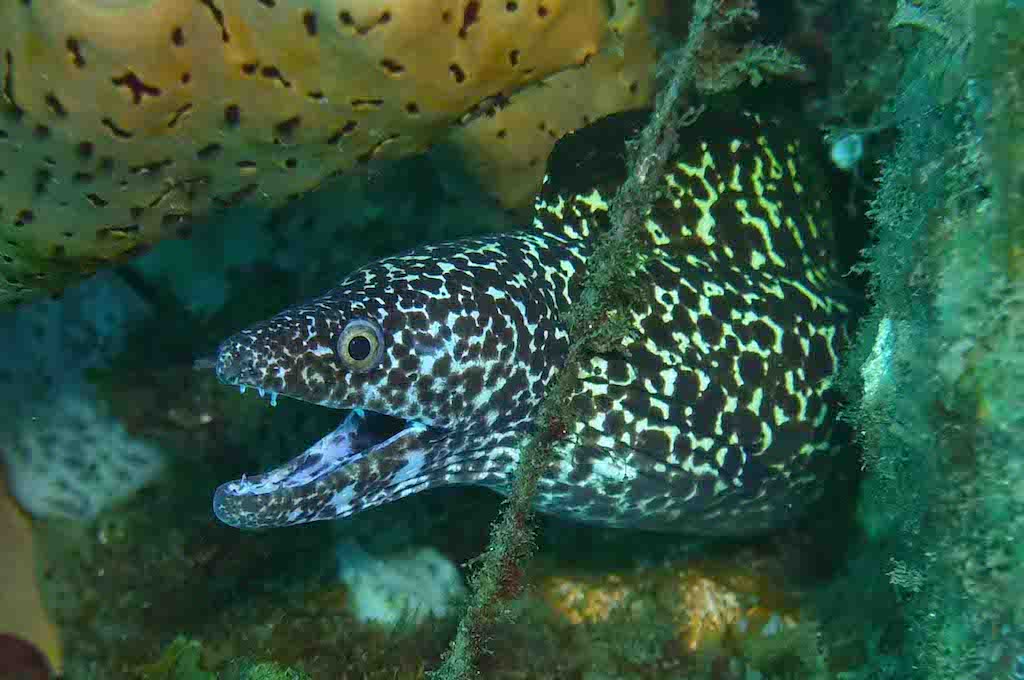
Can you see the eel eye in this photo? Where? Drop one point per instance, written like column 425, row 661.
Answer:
column 361, row 345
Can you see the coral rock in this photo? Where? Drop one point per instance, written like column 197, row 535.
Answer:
column 711, row 604
column 71, row 459
column 122, row 121
column 408, row 587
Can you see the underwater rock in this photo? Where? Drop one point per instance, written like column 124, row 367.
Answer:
column 736, row 613
column 49, row 344
column 69, row 458
column 411, row 586
column 66, row 456
column 708, row 600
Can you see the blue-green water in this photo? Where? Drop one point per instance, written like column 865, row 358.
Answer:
column 906, row 562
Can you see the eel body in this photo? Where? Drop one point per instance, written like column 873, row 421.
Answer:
column 712, row 418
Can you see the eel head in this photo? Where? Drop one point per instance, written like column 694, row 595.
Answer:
column 433, row 358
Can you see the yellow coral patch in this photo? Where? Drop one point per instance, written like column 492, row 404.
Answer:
column 508, row 147
column 122, row 121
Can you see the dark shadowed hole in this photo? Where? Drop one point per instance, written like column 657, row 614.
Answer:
column 375, row 428
column 309, row 21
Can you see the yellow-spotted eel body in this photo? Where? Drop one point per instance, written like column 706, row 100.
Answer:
column 712, row 418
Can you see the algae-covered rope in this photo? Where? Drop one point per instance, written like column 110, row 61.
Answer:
column 595, row 324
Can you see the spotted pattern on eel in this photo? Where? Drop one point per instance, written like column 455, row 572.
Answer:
column 713, row 418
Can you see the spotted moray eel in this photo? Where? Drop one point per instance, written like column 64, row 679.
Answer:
column 713, row 418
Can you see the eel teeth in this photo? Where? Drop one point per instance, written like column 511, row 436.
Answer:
column 263, row 392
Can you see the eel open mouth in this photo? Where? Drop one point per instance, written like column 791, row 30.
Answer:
column 335, row 477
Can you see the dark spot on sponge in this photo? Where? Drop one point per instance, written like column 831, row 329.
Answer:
column 56, row 106
column 469, row 17
column 75, row 49
column 135, row 85
column 285, row 130
column 209, row 151
column 232, row 115
column 309, row 21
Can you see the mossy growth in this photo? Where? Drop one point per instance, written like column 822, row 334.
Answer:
column 181, row 660
column 245, row 669
column 937, row 377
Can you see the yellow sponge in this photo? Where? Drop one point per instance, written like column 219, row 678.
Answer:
column 507, row 147
column 121, row 120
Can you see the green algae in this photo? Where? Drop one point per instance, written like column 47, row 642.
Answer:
column 180, row 661
column 250, row 670
column 936, row 378
column 183, row 660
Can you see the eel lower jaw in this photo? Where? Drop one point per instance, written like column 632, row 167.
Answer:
column 256, row 501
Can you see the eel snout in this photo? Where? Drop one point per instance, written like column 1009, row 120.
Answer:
column 235, row 364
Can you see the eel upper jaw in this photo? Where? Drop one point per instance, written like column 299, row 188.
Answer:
column 262, row 392
column 353, row 440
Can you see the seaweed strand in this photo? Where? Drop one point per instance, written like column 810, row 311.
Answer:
column 596, row 323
